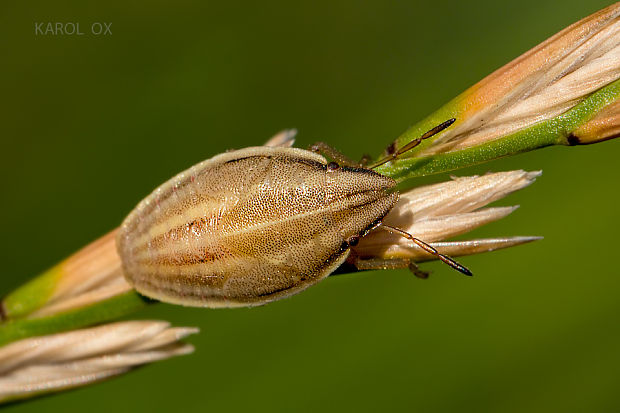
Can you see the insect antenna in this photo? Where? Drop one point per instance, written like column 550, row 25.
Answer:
column 413, row 143
column 460, row 268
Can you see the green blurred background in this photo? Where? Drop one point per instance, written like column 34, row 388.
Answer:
column 90, row 124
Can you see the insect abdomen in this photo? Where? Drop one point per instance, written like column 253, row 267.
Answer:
column 244, row 228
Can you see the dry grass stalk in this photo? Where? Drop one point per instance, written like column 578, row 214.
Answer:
column 445, row 210
column 62, row 361
column 605, row 125
column 539, row 85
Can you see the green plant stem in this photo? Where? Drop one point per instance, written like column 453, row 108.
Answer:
column 555, row 131
column 552, row 132
column 32, row 295
column 107, row 310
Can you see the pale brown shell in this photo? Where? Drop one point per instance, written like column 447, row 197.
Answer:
column 248, row 227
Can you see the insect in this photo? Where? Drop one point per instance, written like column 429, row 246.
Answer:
column 251, row 226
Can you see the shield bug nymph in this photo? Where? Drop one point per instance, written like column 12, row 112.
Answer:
column 258, row 224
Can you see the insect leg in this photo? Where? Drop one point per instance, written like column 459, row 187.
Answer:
column 417, row 271
column 379, row 263
column 394, row 153
column 335, row 154
column 388, row 264
column 460, row 268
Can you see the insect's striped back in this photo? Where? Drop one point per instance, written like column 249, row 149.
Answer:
column 247, row 227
